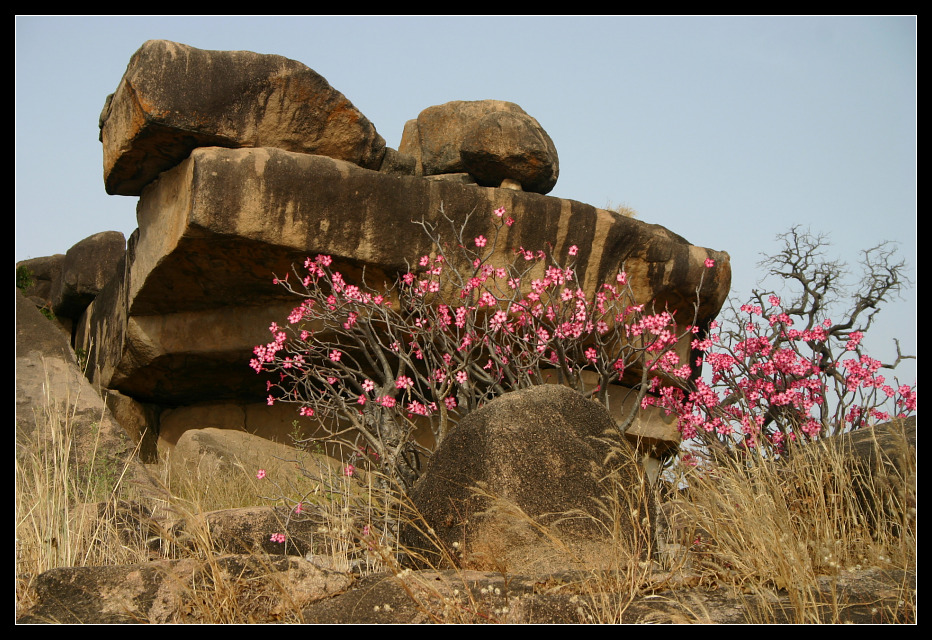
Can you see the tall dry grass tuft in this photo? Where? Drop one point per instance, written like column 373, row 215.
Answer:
column 67, row 506
column 621, row 209
column 767, row 526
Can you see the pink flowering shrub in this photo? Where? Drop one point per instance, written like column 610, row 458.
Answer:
column 784, row 370
column 374, row 364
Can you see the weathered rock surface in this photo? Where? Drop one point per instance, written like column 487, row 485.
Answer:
column 492, row 140
column 478, row 597
column 538, row 455
column 174, row 98
column 172, row 591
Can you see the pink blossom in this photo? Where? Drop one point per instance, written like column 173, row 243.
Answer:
column 480, row 241
column 854, row 340
column 709, row 263
column 335, row 355
column 349, row 470
column 573, row 250
column 261, row 474
column 277, row 537
column 500, row 212
column 306, row 411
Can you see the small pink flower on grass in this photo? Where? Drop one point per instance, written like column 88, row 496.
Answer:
column 349, row 470
column 261, row 474
column 277, row 537
column 298, row 509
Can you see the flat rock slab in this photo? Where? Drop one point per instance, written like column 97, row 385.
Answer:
column 199, row 294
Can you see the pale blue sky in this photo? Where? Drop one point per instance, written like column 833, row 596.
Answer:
column 725, row 130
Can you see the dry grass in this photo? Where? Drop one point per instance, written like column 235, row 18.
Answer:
column 765, row 527
column 621, row 209
column 66, row 510
column 757, row 526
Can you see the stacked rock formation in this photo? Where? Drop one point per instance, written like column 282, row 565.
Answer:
column 245, row 164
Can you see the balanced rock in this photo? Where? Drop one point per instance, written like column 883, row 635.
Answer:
column 174, row 98
column 492, row 140
column 530, row 461
column 510, row 146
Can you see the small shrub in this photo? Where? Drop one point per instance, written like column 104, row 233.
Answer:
column 24, row 278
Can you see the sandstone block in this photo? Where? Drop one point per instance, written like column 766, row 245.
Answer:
column 174, row 98
column 198, row 293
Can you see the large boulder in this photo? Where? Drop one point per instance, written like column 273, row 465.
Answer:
column 174, row 98
column 510, row 146
column 531, row 472
column 87, row 267
column 492, row 140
